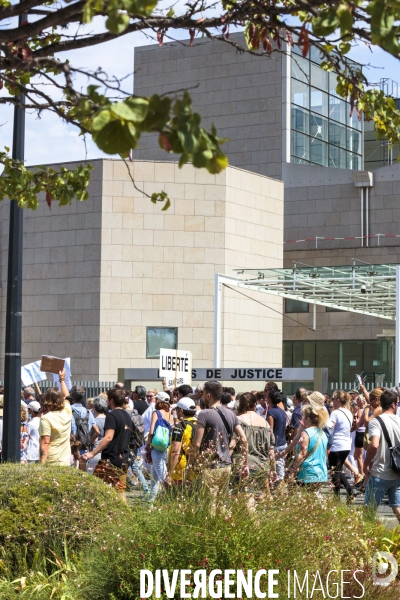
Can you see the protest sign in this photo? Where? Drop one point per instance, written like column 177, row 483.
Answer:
column 176, row 366
column 31, row 373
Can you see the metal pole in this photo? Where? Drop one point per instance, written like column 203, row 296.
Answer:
column 367, row 217
column 362, row 217
column 314, row 322
column 12, row 361
column 397, row 363
column 217, row 321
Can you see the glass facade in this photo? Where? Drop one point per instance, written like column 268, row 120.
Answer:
column 344, row 359
column 322, row 130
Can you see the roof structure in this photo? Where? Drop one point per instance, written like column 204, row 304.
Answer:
column 360, row 287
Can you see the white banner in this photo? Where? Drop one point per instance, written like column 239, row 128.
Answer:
column 31, row 373
column 176, row 366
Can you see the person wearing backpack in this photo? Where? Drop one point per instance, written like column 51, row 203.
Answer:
column 216, row 427
column 382, row 462
column 158, row 441
column 83, row 418
column 135, row 444
column 181, row 440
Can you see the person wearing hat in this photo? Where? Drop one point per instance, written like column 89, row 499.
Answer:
column 182, row 437
column 33, row 446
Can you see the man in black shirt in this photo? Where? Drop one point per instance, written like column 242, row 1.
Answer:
column 114, row 446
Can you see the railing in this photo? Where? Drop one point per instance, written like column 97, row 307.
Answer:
column 345, row 385
column 92, row 388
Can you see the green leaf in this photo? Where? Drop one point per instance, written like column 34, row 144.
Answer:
column 345, row 18
column 115, row 138
column 218, row 164
column 140, row 7
column 326, row 22
column 118, row 22
column 100, row 120
column 132, row 109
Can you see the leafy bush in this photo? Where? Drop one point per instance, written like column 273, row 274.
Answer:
column 42, row 507
column 107, row 544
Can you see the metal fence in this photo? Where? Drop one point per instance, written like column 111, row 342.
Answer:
column 345, row 385
column 92, row 388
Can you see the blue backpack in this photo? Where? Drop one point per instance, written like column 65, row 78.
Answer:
column 162, row 432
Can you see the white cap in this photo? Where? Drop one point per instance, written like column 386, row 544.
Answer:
column 34, row 405
column 185, row 404
column 163, row 396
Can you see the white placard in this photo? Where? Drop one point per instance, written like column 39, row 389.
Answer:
column 31, row 373
column 176, row 366
column 67, row 367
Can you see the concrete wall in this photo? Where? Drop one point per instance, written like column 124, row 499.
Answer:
column 61, row 273
column 161, row 272
column 97, row 273
column 241, row 94
column 324, row 202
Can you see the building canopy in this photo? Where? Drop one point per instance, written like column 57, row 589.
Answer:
column 360, row 287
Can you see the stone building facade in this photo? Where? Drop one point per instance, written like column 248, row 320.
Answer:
column 98, row 273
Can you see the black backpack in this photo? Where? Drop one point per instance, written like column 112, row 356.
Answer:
column 82, row 428
column 137, row 431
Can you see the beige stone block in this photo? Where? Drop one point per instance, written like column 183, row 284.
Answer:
column 153, row 222
column 163, row 270
column 163, row 302
column 172, row 318
column 204, row 177
column 183, row 303
column 184, row 238
column 144, row 171
column 164, row 172
column 193, row 287
column 105, row 333
column 121, row 269
column 174, row 222
column 152, row 318
column 142, row 301
column 203, row 303
column 104, row 369
column 192, row 319
column 132, row 192
column 172, row 254
column 193, row 255
column 132, row 221
column 153, row 254
column 194, row 223
column 194, row 191
column 111, row 284
column 184, row 207
column 187, row 174
column 149, row 286
column 205, row 208
column 111, row 317
column 206, row 239
column 183, row 271
column 120, row 169
column 132, row 253
column 172, row 284
column 112, row 251
column 106, row 268
column 121, row 301
column 121, row 333
column 142, row 238
column 131, row 317
column 112, row 188
column 123, row 205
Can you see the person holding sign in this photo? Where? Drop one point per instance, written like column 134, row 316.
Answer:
column 55, row 426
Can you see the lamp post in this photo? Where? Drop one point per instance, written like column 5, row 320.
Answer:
column 12, row 359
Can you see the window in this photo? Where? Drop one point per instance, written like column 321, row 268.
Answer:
column 332, row 309
column 160, row 337
column 296, row 306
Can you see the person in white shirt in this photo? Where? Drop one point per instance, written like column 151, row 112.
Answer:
column 32, row 449
column 341, row 422
column 377, row 465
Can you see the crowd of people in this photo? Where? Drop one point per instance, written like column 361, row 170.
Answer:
column 212, row 436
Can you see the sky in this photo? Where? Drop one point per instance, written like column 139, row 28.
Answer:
column 49, row 140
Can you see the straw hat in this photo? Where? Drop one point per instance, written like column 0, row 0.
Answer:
column 316, row 400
